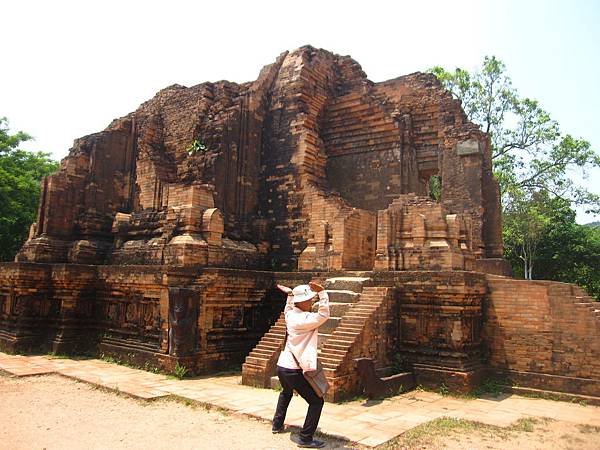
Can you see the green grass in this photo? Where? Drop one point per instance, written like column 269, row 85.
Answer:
column 54, row 355
column 584, row 428
column 525, row 424
column 439, row 429
column 148, row 367
column 491, row 386
column 180, row 371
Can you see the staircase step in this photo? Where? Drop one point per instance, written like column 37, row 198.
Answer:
column 262, row 351
column 338, row 309
column 338, row 344
column 332, row 351
column 321, row 339
column 343, row 296
column 331, row 361
column 360, row 315
column 368, row 307
column 271, row 340
column 329, row 326
column 256, row 361
column 351, row 327
column 349, row 334
column 268, row 348
column 354, row 284
column 328, row 365
column 355, row 320
column 334, row 344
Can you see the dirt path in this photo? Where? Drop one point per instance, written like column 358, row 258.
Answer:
column 52, row 412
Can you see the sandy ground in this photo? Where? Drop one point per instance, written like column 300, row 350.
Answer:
column 535, row 434
column 52, row 412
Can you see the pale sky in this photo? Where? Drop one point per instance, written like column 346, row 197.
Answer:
column 70, row 67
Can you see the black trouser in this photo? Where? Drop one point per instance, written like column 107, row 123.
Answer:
column 292, row 380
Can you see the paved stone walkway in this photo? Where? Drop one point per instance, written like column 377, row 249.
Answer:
column 368, row 423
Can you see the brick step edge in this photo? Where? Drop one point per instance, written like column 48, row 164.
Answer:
column 553, row 395
column 343, row 339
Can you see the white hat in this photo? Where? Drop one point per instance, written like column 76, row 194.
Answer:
column 302, row 293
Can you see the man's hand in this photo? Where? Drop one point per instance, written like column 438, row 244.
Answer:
column 316, row 287
column 285, row 289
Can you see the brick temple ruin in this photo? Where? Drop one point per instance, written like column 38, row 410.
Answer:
column 160, row 239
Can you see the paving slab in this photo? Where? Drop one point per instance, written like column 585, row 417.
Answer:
column 369, row 423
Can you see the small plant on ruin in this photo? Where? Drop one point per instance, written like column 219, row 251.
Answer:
column 180, row 371
column 435, row 187
column 196, row 147
column 55, row 355
column 399, row 363
column 443, row 390
column 491, row 386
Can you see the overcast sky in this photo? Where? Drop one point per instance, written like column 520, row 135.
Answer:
column 69, row 67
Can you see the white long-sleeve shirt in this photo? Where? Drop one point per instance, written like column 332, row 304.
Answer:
column 303, row 330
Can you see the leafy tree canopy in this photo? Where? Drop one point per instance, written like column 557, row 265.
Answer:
column 530, row 153
column 543, row 241
column 20, row 175
column 532, row 158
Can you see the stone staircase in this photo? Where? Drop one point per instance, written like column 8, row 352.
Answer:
column 259, row 368
column 360, row 333
column 260, row 364
column 583, row 300
column 344, row 294
column 586, row 308
column 360, row 318
column 553, row 332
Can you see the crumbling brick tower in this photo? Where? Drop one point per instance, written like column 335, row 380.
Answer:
column 161, row 238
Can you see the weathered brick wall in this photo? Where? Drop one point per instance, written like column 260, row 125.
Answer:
column 440, row 317
column 542, row 335
column 206, row 320
column 25, row 302
column 312, row 125
column 339, row 237
column 439, row 126
column 417, row 233
column 364, row 148
column 292, row 151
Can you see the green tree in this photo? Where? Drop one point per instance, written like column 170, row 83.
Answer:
column 531, row 160
column 526, row 221
column 20, row 175
column 529, row 151
column 543, row 241
column 570, row 252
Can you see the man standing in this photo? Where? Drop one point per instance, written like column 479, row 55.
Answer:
column 300, row 354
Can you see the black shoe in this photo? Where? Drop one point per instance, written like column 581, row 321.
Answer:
column 311, row 444
column 277, row 430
